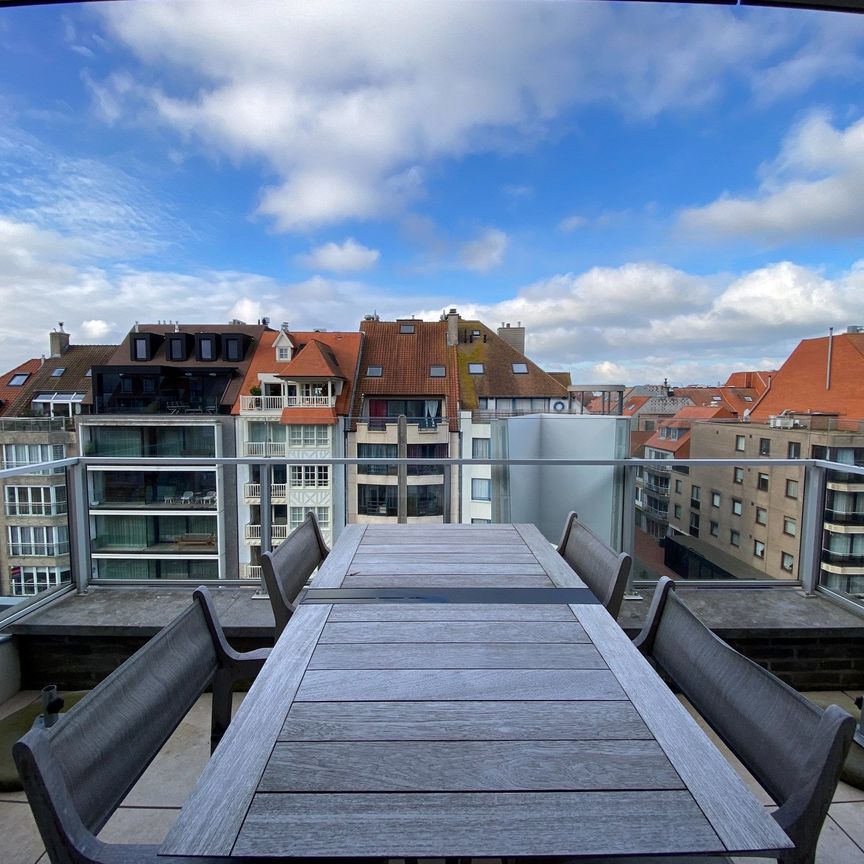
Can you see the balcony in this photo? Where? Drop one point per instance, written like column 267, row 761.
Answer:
column 278, row 532
column 277, row 404
column 38, row 550
column 278, row 491
column 267, row 449
column 35, row 509
column 654, row 486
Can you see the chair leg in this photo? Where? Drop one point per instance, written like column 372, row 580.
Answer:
column 221, row 715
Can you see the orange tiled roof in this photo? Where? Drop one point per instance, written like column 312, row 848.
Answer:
column 313, row 360
column 345, row 349
column 405, row 360
column 9, row 395
column 799, row 385
column 670, row 446
column 311, row 416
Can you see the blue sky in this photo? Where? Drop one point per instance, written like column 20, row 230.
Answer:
column 654, row 190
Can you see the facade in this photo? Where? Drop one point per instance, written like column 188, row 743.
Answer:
column 408, row 368
column 167, row 391
column 42, row 402
column 294, row 401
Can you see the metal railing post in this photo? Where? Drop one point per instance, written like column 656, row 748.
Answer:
column 812, row 526
column 266, row 511
column 402, row 471
column 628, row 527
column 78, row 525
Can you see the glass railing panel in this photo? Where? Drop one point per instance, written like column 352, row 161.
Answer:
column 842, row 559
column 720, row 522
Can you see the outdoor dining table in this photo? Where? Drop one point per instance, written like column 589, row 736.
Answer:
column 455, row 690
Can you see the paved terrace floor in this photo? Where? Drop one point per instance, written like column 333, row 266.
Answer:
column 154, row 802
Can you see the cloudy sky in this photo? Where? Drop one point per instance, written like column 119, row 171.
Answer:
column 654, row 190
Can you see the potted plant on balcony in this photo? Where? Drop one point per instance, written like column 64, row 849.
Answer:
column 254, row 390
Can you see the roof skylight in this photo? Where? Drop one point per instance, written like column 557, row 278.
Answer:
column 374, row 371
column 58, row 371
column 476, row 368
column 19, row 379
column 520, row 368
column 437, row 371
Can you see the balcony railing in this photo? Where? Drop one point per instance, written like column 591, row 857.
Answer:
column 279, row 403
column 844, row 517
column 251, row 571
column 545, row 486
column 265, row 448
column 45, row 550
column 660, row 488
column 36, row 509
column 37, row 424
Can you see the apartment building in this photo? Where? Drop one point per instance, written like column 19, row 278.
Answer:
column 496, row 381
column 748, row 519
column 167, row 391
column 41, row 402
column 409, row 368
column 294, row 400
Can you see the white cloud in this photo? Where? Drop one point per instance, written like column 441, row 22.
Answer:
column 348, row 104
column 96, row 328
column 571, row 223
column 339, row 257
column 813, row 189
column 486, row 252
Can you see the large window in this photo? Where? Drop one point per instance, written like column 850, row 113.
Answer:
column 376, row 500
column 309, row 476
column 35, row 500
column 426, row 500
column 27, row 581
column 481, row 489
column 377, row 451
column 481, row 448
column 740, row 443
column 17, row 455
column 38, row 540
column 298, row 516
column 309, row 436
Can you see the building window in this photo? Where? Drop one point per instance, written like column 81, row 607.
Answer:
column 678, row 487
column 734, row 538
column 761, row 516
column 793, row 451
column 739, row 443
column 481, row 489
column 177, row 347
column 18, row 455
column 35, row 500
column 787, row 562
column 790, row 526
column 376, row 500
column 737, row 475
column 476, row 369
column 758, row 548
column 520, row 368
column 676, row 511
column 694, row 524
column 437, row 371
column 791, row 488
column 27, row 581
column 283, row 354
column 233, row 349
column 426, row 500
column 309, row 436
column 206, row 348
column 374, row 371
column 309, row 476
column 715, row 499
column 38, row 540
column 56, row 373
column 715, row 529
column 695, row 496
column 762, row 482
column 298, row 516
column 19, row 379
column 764, row 446
column 649, row 425
column 140, row 348
column 736, row 507
column 406, row 328
column 481, row 448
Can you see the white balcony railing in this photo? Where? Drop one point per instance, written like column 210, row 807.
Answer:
column 278, row 403
column 278, row 531
column 250, row 571
column 264, row 448
column 277, row 490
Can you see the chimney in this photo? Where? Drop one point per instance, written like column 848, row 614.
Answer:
column 513, row 336
column 59, row 341
column 452, row 327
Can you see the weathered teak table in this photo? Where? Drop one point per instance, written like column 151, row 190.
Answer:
column 455, row 722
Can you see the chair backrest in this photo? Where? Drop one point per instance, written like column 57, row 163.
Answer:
column 600, row 567
column 77, row 772
column 792, row 747
column 288, row 567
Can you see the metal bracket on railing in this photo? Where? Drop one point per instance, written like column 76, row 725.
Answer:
column 53, row 705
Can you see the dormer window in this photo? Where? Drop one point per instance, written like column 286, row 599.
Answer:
column 283, row 354
column 437, row 371
column 140, row 348
column 177, row 347
column 234, row 348
column 206, row 345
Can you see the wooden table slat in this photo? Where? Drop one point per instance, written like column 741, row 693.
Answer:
column 456, row 824
column 481, row 655
column 398, row 685
column 415, row 567
column 448, row 580
column 454, row 721
column 450, row 612
column 454, row 631
column 333, row 570
column 467, row 766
